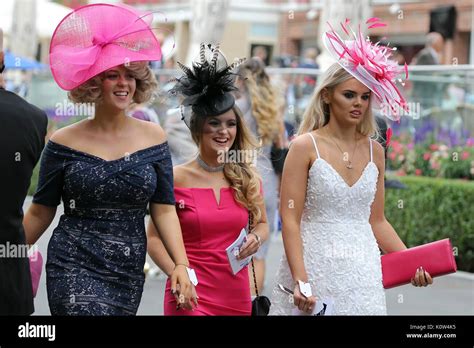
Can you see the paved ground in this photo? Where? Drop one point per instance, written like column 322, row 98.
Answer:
column 451, row 294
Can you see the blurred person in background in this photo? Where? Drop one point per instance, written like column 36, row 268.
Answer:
column 261, row 53
column 260, row 104
column 428, row 93
column 2, row 82
column 432, row 53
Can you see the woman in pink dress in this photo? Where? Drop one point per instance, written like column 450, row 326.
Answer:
column 216, row 193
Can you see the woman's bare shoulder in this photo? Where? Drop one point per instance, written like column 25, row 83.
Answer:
column 183, row 174
column 69, row 135
column 301, row 142
column 378, row 152
column 152, row 132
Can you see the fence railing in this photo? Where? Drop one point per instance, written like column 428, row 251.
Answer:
column 444, row 93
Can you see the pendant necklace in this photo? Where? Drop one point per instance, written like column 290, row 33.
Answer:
column 349, row 162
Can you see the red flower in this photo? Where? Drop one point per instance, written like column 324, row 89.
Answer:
column 434, row 147
column 465, row 155
column 401, row 172
column 426, row 156
column 388, row 134
column 418, row 172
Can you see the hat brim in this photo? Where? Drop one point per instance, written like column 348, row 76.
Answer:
column 98, row 37
column 388, row 98
column 216, row 107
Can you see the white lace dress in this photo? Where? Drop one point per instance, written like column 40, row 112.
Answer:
column 340, row 251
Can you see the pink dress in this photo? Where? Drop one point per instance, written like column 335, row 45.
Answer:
column 208, row 229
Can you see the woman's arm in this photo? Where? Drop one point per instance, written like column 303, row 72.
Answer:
column 281, row 140
column 167, row 226
column 252, row 245
column 155, row 247
column 157, row 250
column 293, row 194
column 387, row 238
column 37, row 219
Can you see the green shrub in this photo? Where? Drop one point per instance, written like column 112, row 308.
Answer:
column 432, row 209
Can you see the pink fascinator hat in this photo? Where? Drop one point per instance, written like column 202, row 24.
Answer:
column 97, row 37
column 370, row 64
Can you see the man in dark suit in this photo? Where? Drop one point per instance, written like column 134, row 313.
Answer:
column 428, row 94
column 22, row 136
column 431, row 53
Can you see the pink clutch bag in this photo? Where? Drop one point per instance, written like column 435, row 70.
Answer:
column 436, row 258
column 36, row 266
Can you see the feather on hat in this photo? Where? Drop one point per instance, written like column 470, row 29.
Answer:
column 208, row 85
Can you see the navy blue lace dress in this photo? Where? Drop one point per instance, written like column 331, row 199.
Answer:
column 97, row 252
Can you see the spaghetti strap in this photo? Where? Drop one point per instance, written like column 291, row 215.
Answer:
column 370, row 142
column 314, row 142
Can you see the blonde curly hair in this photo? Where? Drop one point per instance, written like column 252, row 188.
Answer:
column 264, row 99
column 90, row 91
column 243, row 177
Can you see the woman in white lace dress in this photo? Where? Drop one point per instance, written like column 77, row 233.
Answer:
column 332, row 206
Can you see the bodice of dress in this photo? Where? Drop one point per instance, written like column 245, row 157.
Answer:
column 340, row 252
column 330, row 199
column 207, row 224
column 92, row 187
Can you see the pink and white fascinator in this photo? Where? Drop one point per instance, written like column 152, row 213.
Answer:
column 369, row 63
column 97, row 37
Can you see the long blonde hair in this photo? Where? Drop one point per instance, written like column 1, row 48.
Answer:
column 317, row 114
column 263, row 98
column 242, row 175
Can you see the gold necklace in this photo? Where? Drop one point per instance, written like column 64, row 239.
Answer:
column 349, row 162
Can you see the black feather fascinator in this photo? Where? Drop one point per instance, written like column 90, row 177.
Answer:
column 207, row 86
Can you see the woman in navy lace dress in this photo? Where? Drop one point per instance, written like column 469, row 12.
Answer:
column 106, row 170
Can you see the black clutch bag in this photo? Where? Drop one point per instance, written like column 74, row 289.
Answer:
column 260, row 304
column 278, row 157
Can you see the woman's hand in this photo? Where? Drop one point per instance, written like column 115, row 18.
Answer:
column 250, row 247
column 305, row 304
column 182, row 289
column 421, row 278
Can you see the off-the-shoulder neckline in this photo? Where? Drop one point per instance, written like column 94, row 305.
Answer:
column 109, row 161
